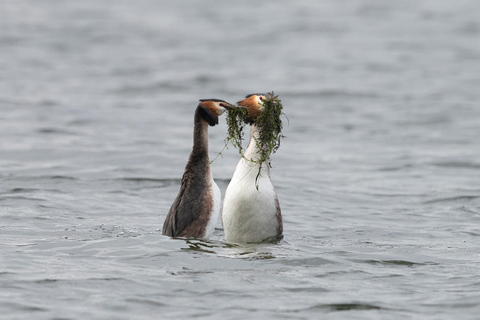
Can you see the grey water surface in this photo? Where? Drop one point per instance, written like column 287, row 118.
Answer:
column 378, row 176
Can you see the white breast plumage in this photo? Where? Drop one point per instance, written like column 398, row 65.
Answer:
column 215, row 213
column 250, row 215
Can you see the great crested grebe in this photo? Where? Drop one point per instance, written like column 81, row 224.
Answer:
column 196, row 209
column 251, row 211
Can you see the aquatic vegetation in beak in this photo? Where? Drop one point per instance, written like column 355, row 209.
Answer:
column 268, row 122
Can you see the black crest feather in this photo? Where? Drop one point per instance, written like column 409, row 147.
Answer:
column 208, row 115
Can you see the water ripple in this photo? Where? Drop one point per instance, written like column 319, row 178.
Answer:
column 465, row 198
column 345, row 307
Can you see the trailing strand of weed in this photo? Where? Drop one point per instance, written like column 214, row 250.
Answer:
column 236, row 126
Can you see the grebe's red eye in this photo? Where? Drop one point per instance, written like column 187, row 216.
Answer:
column 222, row 105
column 261, row 98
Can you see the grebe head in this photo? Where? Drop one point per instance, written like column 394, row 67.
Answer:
column 211, row 109
column 254, row 104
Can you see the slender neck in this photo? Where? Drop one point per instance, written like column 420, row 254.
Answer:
column 200, row 138
column 252, row 151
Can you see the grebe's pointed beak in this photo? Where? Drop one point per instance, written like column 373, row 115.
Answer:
column 240, row 107
column 231, row 106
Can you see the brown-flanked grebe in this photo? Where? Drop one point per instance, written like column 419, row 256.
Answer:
column 196, row 209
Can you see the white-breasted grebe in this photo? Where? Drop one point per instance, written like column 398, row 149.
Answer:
column 251, row 210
